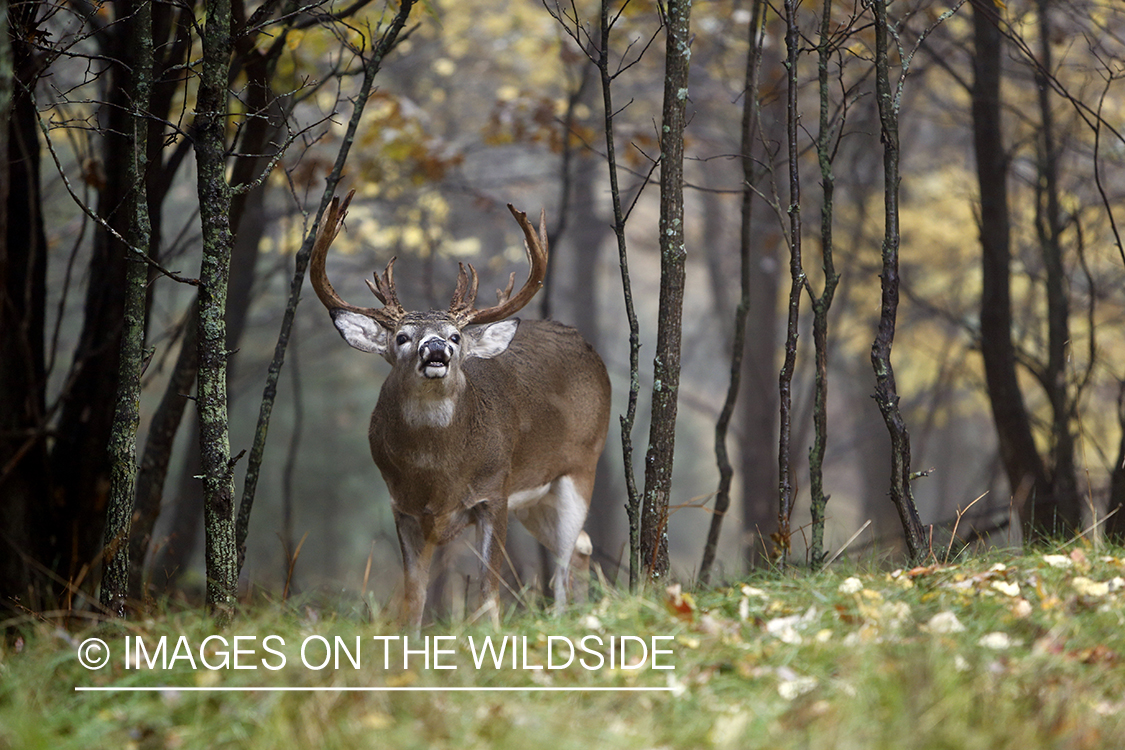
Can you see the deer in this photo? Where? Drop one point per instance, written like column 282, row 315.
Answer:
column 481, row 415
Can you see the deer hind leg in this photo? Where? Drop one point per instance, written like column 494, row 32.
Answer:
column 556, row 521
column 417, row 552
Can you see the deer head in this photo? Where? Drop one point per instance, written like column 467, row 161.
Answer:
column 481, row 413
column 383, row 330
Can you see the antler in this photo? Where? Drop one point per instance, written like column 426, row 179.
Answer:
column 462, row 305
column 384, row 288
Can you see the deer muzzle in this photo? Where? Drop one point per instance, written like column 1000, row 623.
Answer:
column 434, row 356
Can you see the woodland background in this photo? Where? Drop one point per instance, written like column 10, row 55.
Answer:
column 1008, row 353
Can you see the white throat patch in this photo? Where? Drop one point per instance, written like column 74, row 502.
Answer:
column 429, row 412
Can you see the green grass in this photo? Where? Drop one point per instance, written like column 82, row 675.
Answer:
column 1000, row 651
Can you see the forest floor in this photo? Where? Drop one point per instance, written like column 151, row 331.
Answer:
column 1005, row 650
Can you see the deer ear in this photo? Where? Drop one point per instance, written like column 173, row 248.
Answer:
column 361, row 332
column 490, row 340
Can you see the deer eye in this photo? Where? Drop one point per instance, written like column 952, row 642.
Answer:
column 401, row 339
column 455, row 338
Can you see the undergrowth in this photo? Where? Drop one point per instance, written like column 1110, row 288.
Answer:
column 1004, row 650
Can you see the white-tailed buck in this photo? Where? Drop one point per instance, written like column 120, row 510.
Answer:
column 481, row 414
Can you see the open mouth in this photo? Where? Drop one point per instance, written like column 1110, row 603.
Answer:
column 434, row 358
column 435, row 364
column 434, row 369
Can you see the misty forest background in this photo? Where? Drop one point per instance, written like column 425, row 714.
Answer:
column 1009, row 359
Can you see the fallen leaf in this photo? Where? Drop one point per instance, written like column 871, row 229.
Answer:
column 679, row 603
column 850, row 585
column 793, row 685
column 1058, row 561
column 944, row 623
column 1021, row 608
column 921, row 571
column 997, row 640
column 1085, row 587
column 1008, row 589
column 786, row 629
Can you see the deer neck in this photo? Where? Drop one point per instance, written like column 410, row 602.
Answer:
column 432, row 403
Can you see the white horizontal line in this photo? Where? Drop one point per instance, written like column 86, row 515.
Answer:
column 404, row 689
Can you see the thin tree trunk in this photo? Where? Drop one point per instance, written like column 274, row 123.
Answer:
column 386, row 43
column 886, row 391
column 738, row 344
column 673, row 254
column 127, row 417
column 786, row 488
column 171, row 25
column 822, row 304
column 214, row 210
column 1059, row 514
column 1018, row 452
column 628, row 419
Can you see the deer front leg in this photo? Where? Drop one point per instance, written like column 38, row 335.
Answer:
column 492, row 532
column 417, row 552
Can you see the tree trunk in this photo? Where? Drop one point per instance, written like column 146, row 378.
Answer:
column 786, row 483
column 738, row 340
column 214, row 210
column 628, row 419
column 821, row 305
column 1059, row 514
column 1027, row 478
column 127, row 412
column 886, row 391
column 24, row 474
column 172, row 37
column 673, row 254
column 80, row 465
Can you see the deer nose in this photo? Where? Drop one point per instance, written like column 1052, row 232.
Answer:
column 435, row 351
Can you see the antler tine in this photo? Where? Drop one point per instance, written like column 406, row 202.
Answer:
column 502, row 295
column 465, row 295
column 536, row 247
column 330, row 225
column 385, row 291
